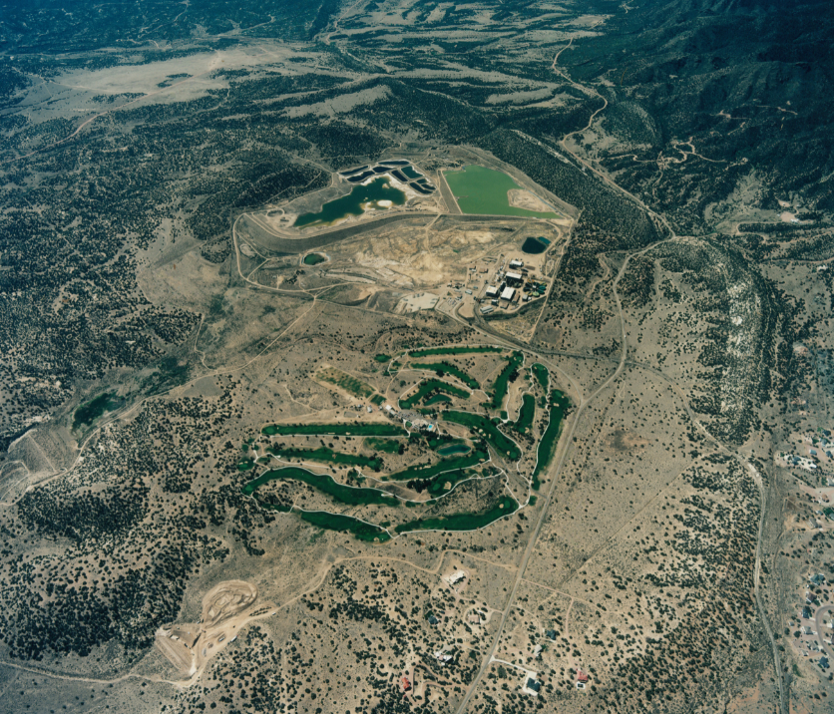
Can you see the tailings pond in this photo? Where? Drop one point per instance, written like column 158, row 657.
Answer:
column 480, row 190
column 378, row 194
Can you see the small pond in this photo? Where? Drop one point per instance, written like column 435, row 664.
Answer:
column 534, row 246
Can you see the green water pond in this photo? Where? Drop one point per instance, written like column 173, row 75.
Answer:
column 481, row 190
column 454, row 449
column 355, row 203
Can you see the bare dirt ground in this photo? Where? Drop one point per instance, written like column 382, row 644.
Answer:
column 227, row 608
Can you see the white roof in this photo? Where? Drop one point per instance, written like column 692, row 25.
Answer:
column 508, row 294
column 491, row 290
column 513, row 276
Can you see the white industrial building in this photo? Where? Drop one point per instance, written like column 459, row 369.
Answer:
column 508, row 294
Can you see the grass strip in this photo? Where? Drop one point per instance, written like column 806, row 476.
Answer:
column 526, row 414
column 382, row 358
column 336, row 522
column 461, row 462
column 327, row 455
column 446, row 368
column 350, row 495
column 389, row 446
column 454, row 351
column 429, row 386
column 462, row 521
column 336, row 429
column 541, row 373
column 501, row 384
column 438, row 399
column 474, row 422
column 559, row 405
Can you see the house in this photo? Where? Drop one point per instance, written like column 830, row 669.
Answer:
column 581, row 677
column 432, row 620
column 533, row 685
column 806, row 613
column 491, row 291
column 551, row 635
column 508, row 294
column 818, row 579
column 823, row 662
column 443, row 657
column 514, row 278
column 406, row 684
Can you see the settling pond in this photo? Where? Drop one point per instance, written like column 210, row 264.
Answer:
column 480, row 190
column 534, row 246
column 378, row 194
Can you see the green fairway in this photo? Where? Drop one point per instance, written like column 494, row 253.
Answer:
column 481, row 190
column 349, row 495
column 542, row 375
column 323, row 453
column 501, row 384
column 336, row 429
column 453, row 351
column 389, row 446
column 547, row 446
column 446, row 368
column 462, row 521
column 526, row 414
column 473, row 422
column 429, row 386
column 461, row 462
column 336, row 522
column 443, row 484
column 437, row 399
